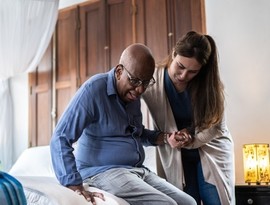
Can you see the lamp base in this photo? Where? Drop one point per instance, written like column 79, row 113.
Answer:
column 257, row 183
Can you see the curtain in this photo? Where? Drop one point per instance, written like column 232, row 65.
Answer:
column 6, row 117
column 26, row 28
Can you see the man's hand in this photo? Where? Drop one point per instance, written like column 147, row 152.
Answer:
column 89, row 196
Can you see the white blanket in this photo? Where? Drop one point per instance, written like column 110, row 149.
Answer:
column 34, row 170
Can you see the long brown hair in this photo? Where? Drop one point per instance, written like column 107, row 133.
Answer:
column 206, row 88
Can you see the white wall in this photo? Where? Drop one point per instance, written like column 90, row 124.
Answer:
column 241, row 30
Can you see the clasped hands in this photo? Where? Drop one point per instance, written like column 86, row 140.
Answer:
column 179, row 139
column 89, row 196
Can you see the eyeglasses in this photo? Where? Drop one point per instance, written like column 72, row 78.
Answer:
column 136, row 82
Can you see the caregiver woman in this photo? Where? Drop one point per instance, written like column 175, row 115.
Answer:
column 189, row 97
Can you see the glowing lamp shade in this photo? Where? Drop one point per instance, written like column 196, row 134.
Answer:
column 256, row 163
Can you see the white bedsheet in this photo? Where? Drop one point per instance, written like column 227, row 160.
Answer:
column 47, row 191
column 34, row 170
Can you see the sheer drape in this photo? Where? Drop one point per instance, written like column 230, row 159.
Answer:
column 6, row 119
column 26, row 28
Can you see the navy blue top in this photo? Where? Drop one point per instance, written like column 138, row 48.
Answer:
column 109, row 132
column 182, row 111
column 180, row 103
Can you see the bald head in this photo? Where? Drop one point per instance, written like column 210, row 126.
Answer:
column 138, row 59
column 134, row 72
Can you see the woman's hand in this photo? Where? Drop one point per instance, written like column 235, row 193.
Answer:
column 89, row 196
column 179, row 139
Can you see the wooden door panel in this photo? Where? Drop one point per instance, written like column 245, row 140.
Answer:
column 187, row 15
column 106, row 29
column 40, row 102
column 67, row 68
column 160, row 23
column 119, row 29
column 152, row 25
column 156, row 28
column 198, row 15
column 63, row 98
column 92, row 40
column 44, row 117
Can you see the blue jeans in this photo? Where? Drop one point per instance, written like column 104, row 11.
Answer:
column 139, row 186
column 196, row 186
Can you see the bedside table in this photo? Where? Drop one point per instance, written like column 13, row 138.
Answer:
column 252, row 194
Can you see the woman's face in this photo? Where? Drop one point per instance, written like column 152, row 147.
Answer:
column 182, row 70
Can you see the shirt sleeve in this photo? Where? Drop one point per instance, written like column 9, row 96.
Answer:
column 69, row 128
column 149, row 137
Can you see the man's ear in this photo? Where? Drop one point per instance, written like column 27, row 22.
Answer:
column 118, row 72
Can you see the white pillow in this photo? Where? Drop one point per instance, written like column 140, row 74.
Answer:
column 34, row 161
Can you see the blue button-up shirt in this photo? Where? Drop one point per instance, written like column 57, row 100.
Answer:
column 109, row 132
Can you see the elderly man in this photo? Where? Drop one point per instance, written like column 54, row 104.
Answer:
column 105, row 120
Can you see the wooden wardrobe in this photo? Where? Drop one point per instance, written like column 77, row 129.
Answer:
column 89, row 39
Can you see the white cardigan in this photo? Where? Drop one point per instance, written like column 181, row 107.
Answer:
column 215, row 146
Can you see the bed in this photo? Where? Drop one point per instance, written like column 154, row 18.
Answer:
column 34, row 170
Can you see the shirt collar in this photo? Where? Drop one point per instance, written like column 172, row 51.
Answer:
column 111, row 84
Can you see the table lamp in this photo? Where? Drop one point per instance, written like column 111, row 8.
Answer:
column 256, row 163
